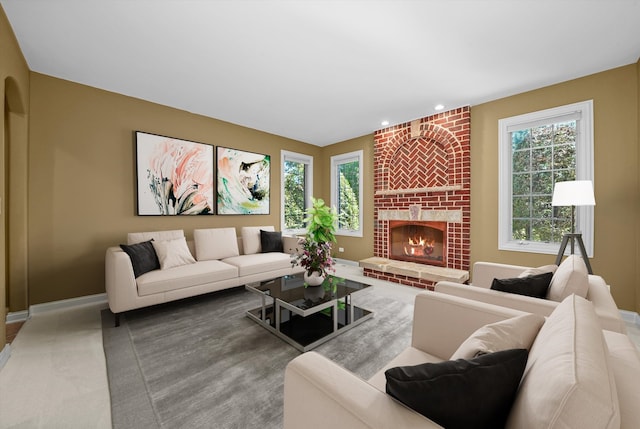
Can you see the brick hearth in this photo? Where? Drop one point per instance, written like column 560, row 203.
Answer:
column 423, row 171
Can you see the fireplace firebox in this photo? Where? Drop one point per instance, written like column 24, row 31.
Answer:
column 418, row 241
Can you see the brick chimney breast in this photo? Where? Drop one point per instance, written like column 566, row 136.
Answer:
column 421, row 166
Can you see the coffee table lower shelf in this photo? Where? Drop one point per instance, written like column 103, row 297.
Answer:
column 308, row 332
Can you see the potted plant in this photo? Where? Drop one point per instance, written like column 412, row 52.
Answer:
column 315, row 253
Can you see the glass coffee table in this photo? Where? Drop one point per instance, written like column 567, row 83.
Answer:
column 290, row 311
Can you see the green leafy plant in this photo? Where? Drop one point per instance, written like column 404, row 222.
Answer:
column 315, row 252
column 321, row 222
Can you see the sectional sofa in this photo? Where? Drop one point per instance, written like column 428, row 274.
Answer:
column 216, row 259
column 576, row 375
column 568, row 278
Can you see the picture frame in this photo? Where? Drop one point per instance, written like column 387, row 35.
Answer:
column 174, row 176
column 243, row 182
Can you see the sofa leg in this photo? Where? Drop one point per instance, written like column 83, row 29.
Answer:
column 117, row 318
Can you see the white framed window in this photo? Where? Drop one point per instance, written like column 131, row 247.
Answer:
column 346, row 192
column 296, row 190
column 537, row 150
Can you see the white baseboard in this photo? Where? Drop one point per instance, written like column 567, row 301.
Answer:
column 100, row 298
column 630, row 317
column 4, row 355
column 346, row 262
column 63, row 304
column 17, row 316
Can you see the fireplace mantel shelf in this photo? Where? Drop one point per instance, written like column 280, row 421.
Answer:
column 415, row 270
column 419, row 190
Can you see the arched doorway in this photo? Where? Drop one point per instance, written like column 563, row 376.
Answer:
column 13, row 203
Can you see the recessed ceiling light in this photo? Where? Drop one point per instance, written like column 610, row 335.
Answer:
column 384, row 123
column 439, row 107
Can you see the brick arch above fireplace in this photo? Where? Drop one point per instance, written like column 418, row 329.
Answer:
column 422, row 155
column 419, row 163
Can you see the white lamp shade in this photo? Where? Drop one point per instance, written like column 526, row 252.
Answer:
column 573, row 193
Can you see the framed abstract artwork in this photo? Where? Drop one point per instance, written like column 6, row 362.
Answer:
column 175, row 177
column 243, row 182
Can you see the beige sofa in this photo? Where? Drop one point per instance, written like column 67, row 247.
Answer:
column 593, row 288
column 216, row 259
column 576, row 374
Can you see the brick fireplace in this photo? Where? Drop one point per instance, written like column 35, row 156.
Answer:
column 422, row 177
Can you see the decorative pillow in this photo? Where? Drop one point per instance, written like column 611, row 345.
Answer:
column 251, row 238
column 143, row 257
column 535, row 286
column 570, row 277
column 476, row 393
column 271, row 241
column 540, row 270
column 515, row 333
column 215, row 243
column 173, row 253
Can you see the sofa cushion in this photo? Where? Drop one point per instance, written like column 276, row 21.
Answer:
column 143, row 257
column 408, row 357
column 570, row 277
column 215, row 243
column 539, row 270
column 137, row 237
column 535, row 285
column 251, row 238
column 515, row 333
column 475, row 393
column 173, row 253
column 184, row 276
column 568, row 382
column 271, row 241
column 259, row 263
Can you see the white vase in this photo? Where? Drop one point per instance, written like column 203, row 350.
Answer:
column 315, row 279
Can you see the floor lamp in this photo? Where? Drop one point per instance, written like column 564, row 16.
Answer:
column 573, row 193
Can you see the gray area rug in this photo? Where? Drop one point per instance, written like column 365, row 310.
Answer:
column 201, row 363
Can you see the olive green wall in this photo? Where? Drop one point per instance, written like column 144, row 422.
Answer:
column 82, row 179
column 615, row 97
column 14, row 84
column 355, row 248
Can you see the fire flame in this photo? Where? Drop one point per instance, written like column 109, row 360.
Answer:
column 419, row 246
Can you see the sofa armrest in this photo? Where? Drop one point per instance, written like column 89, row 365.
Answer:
column 442, row 322
column 528, row 304
column 290, row 244
column 318, row 393
column 604, row 305
column 485, row 272
column 120, row 282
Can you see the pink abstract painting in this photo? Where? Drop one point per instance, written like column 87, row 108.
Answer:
column 175, row 177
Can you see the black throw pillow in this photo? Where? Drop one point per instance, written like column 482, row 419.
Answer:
column 475, row 393
column 143, row 257
column 271, row 241
column 536, row 285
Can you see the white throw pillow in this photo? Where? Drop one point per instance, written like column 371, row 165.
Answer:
column 515, row 333
column 173, row 253
column 540, row 270
column 251, row 238
column 215, row 243
column 570, row 277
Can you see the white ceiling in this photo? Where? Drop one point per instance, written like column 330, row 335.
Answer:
column 323, row 71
